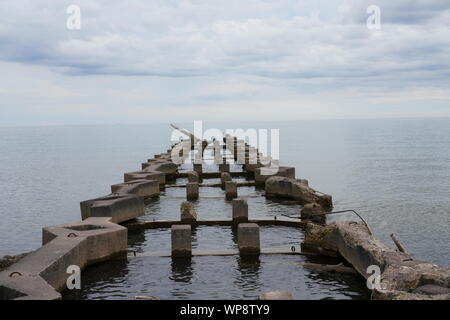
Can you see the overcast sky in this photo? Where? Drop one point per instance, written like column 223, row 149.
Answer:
column 144, row 61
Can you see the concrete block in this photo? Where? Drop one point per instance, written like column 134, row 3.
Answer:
column 168, row 167
column 240, row 211
column 25, row 287
column 224, row 167
column 231, row 190
column 192, row 191
column 145, row 175
column 224, row 177
column 120, row 207
column 193, row 177
column 105, row 239
column 248, row 239
column 181, row 241
column 198, row 168
column 263, row 173
column 42, row 273
column 188, row 213
column 143, row 188
column 296, row 189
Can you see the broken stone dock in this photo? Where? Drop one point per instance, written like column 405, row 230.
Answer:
column 102, row 233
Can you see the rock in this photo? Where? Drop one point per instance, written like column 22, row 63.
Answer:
column 431, row 289
column 297, row 189
column 264, row 173
column 276, row 295
column 401, row 276
column 7, row 261
column 313, row 212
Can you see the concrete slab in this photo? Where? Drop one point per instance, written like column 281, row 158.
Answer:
column 120, row 207
column 143, row 188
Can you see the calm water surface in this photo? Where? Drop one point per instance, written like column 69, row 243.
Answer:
column 396, row 173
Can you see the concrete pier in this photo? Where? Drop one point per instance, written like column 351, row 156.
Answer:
column 42, row 274
column 240, row 211
column 192, row 191
column 181, row 241
column 187, row 212
column 231, row 190
column 248, row 239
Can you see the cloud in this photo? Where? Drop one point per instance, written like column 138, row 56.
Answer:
column 164, row 54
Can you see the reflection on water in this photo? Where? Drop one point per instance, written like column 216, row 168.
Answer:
column 214, row 277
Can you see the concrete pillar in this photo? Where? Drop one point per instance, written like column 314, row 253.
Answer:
column 230, row 190
column 192, row 191
column 181, row 241
column 188, row 213
column 248, row 239
column 224, row 167
column 224, row 177
column 198, row 168
column 216, row 146
column 193, row 176
column 240, row 211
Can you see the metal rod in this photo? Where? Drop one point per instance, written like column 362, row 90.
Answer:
column 397, row 243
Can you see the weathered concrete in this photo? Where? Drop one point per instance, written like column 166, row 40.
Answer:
column 145, row 175
column 143, row 188
column 169, row 168
column 192, row 191
column 276, row 295
column 240, row 211
column 104, row 238
column 188, row 213
column 248, row 239
column 264, row 173
column 296, row 189
column 181, row 241
column 231, row 190
column 198, row 168
column 193, row 177
column 224, row 177
column 120, row 207
column 7, row 261
column 313, row 212
column 224, row 167
column 43, row 272
column 402, row 277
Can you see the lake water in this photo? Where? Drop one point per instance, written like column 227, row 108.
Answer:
column 394, row 172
